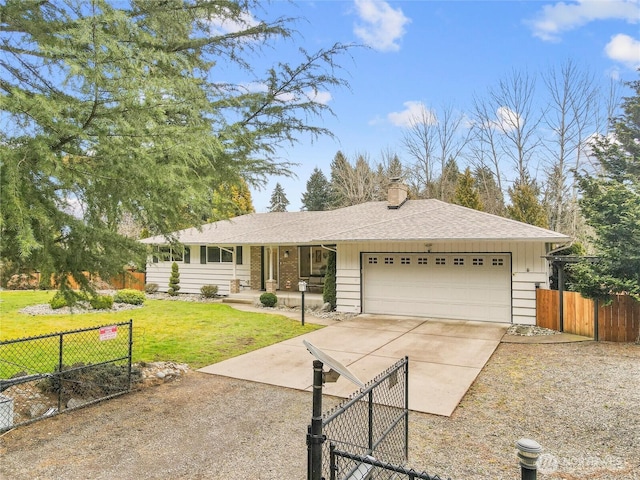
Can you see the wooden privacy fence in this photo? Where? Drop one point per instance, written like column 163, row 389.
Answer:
column 133, row 280
column 127, row 279
column 617, row 322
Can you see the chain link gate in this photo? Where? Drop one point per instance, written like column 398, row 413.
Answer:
column 45, row 375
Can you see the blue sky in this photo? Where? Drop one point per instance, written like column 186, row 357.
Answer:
column 428, row 54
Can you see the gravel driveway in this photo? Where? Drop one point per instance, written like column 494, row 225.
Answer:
column 580, row 401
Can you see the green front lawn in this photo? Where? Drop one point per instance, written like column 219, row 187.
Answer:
column 198, row 334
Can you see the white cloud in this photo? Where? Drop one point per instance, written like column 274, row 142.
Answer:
column 624, row 49
column 506, row 120
column 414, row 113
column 380, row 26
column 560, row 17
column 223, row 26
column 319, row 97
column 254, row 87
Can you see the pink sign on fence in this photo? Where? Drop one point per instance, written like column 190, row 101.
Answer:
column 108, row 333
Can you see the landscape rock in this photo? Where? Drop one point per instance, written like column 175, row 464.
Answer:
column 76, row 402
column 37, row 410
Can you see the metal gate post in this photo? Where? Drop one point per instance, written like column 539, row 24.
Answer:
column 130, row 353
column 315, row 439
column 58, row 383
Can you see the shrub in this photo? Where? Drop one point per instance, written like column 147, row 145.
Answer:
column 329, row 288
column 174, row 280
column 151, row 288
column 58, row 301
column 268, row 299
column 101, row 302
column 209, row 291
column 127, row 295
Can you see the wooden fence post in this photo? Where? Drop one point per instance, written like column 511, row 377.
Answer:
column 596, row 307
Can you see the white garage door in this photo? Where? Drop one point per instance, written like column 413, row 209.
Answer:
column 456, row 286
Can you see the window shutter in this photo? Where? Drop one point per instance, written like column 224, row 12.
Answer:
column 239, row 255
column 203, row 254
column 187, row 255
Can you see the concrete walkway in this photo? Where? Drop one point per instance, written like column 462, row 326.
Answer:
column 445, row 357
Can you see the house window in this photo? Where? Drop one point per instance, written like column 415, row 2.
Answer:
column 441, row 261
column 219, row 255
column 497, row 262
column 203, row 254
column 373, row 260
column 458, row 261
column 478, row 262
column 239, row 255
column 226, row 256
column 388, row 260
column 423, row 260
column 213, row 255
column 168, row 254
column 405, row 260
column 187, row 255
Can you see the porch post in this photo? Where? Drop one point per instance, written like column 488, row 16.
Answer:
column 270, row 263
column 271, row 283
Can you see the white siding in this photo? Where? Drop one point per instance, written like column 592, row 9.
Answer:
column 528, row 269
column 194, row 275
column 348, row 279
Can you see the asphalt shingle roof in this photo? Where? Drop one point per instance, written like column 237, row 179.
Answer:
column 422, row 220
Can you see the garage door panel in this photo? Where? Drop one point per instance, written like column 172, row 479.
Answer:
column 457, row 286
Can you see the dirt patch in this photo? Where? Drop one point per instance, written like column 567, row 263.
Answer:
column 579, row 401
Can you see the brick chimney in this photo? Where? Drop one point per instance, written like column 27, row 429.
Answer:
column 397, row 193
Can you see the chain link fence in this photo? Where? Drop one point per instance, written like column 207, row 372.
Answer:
column 45, row 375
column 373, row 421
column 349, row 466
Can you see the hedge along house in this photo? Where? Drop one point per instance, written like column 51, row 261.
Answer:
column 400, row 257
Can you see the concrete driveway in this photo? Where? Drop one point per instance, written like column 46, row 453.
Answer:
column 445, row 357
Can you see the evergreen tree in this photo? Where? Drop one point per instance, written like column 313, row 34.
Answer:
column 231, row 200
column 114, row 111
column 329, row 288
column 448, row 181
column 466, row 193
column 318, row 194
column 394, row 169
column 354, row 184
column 610, row 203
column 279, row 200
column 174, row 280
column 339, row 165
column 489, row 191
column 525, row 205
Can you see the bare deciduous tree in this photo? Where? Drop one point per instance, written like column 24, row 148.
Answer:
column 419, row 140
column 355, row 183
column 571, row 113
column 432, row 141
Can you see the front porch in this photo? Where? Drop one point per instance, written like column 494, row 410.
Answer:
column 285, row 297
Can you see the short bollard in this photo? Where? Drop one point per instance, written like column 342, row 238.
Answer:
column 528, row 453
column 302, row 287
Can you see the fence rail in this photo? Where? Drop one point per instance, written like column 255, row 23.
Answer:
column 45, row 375
column 617, row 322
column 350, row 466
